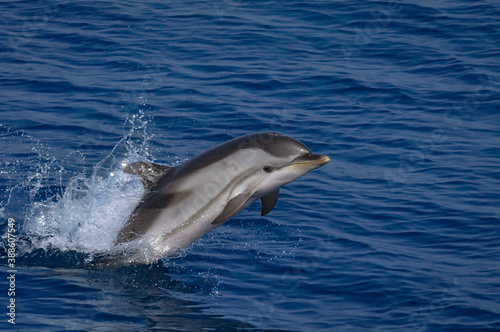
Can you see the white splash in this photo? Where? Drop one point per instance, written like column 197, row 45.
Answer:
column 87, row 217
column 89, row 212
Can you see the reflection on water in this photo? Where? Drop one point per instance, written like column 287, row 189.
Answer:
column 129, row 299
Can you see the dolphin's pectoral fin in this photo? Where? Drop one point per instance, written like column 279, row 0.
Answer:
column 269, row 202
column 234, row 206
column 148, row 173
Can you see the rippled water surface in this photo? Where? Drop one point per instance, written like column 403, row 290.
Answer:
column 400, row 231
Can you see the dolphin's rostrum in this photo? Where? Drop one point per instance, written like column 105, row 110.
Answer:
column 183, row 203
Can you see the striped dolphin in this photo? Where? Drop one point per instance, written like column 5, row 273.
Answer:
column 183, row 203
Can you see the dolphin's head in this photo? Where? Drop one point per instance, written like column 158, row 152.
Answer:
column 282, row 159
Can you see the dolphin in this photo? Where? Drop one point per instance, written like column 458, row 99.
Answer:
column 183, row 203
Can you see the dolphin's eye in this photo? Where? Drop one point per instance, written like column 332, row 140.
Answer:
column 267, row 169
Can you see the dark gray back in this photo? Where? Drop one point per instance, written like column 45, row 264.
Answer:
column 276, row 144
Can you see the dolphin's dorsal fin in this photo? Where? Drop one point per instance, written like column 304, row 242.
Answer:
column 148, row 173
column 269, row 202
column 232, row 207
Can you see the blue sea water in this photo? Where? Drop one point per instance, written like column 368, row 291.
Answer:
column 399, row 232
